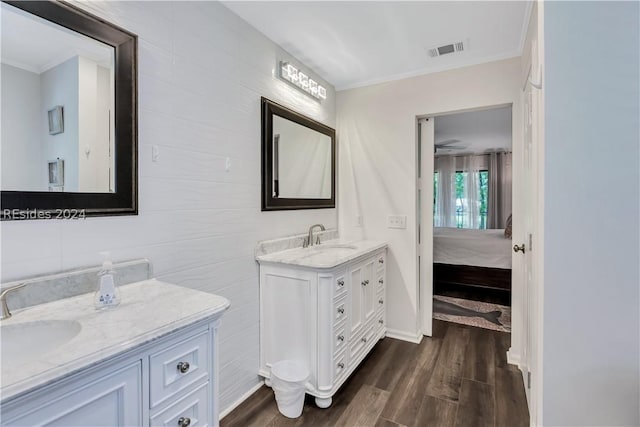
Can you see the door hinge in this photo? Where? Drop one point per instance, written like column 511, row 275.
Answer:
column 530, row 242
column 528, row 379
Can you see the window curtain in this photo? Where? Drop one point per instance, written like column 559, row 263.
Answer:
column 445, row 195
column 470, row 202
column 499, row 207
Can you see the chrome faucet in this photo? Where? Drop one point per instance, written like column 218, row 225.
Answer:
column 309, row 240
column 4, row 308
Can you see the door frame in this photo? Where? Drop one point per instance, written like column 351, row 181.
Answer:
column 425, row 278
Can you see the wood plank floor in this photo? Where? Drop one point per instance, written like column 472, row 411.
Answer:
column 459, row 377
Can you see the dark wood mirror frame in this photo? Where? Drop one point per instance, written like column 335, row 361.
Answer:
column 270, row 203
column 124, row 201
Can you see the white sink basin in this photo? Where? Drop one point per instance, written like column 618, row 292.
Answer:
column 23, row 342
column 333, row 247
column 330, row 250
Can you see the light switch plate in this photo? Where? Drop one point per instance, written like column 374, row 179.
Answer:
column 397, row 221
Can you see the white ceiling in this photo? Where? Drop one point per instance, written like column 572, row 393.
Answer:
column 352, row 44
column 35, row 45
column 477, row 131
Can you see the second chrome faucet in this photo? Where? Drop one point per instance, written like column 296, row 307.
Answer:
column 309, row 239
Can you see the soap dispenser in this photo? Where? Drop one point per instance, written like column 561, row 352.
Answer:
column 107, row 294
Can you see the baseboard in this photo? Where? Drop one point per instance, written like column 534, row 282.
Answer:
column 242, row 398
column 404, row 336
column 513, row 358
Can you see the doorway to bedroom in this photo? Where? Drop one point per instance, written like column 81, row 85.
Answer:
column 470, row 217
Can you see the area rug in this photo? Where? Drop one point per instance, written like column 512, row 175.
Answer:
column 474, row 313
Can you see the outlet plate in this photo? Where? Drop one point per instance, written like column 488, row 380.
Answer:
column 397, row 221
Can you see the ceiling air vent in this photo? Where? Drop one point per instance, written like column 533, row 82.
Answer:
column 446, row 49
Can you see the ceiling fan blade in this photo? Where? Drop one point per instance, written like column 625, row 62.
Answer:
column 446, row 142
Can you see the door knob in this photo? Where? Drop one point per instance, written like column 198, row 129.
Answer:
column 517, row 248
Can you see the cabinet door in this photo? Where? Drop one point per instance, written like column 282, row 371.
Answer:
column 369, row 290
column 111, row 400
column 356, row 283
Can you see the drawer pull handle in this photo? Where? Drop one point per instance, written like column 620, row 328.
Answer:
column 183, row 367
column 381, row 321
column 381, row 261
column 341, row 310
column 381, row 301
column 184, row 421
column 364, row 339
column 341, row 283
column 341, row 365
column 340, row 337
column 365, row 283
column 381, row 281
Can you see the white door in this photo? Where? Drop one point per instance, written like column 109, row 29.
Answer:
column 424, row 205
column 524, row 246
column 531, row 213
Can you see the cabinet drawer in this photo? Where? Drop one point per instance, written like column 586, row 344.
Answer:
column 178, row 366
column 358, row 345
column 379, row 323
column 191, row 410
column 340, row 338
column 339, row 366
column 381, row 261
column 340, row 311
column 340, row 286
column 380, row 283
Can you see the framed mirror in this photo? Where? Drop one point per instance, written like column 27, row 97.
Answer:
column 69, row 113
column 298, row 160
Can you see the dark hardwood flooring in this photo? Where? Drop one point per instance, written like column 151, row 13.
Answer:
column 459, row 377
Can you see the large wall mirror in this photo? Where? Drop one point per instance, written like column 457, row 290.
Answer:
column 69, row 113
column 298, row 160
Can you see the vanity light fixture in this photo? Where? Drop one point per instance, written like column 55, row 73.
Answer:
column 297, row 78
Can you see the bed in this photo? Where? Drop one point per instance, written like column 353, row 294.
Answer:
column 472, row 263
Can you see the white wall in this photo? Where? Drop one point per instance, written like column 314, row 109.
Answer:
column 22, row 165
column 377, row 137
column 202, row 71
column 591, row 231
column 59, row 86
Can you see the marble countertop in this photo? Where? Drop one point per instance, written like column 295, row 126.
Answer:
column 328, row 254
column 148, row 310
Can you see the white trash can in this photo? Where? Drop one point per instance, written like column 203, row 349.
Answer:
column 288, row 380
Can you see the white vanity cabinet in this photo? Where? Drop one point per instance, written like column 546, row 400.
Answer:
column 171, row 381
column 329, row 318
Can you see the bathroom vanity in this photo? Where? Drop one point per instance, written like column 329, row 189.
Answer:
column 323, row 305
column 150, row 361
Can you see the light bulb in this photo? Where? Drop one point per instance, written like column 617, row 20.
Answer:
column 304, row 80
column 313, row 87
column 322, row 92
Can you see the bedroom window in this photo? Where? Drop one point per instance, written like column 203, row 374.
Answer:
column 462, row 213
